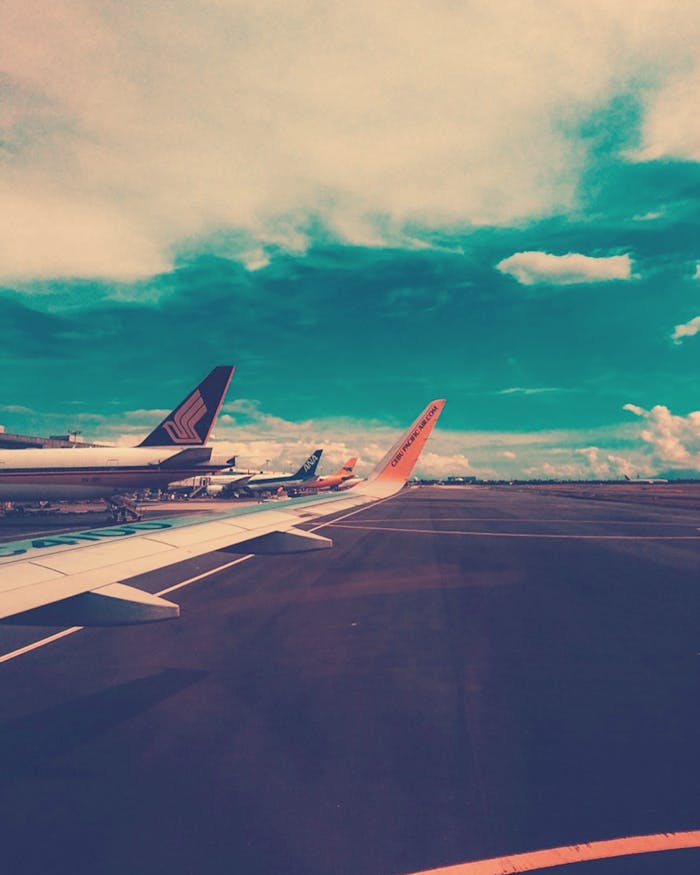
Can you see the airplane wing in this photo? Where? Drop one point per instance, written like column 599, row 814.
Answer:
column 79, row 578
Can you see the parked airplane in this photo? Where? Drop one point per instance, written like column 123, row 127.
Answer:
column 225, row 483
column 172, row 451
column 332, row 481
column 79, row 579
column 647, row 480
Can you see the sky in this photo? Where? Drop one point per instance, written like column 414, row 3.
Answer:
column 363, row 207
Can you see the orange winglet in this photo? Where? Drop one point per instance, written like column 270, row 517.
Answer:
column 397, row 464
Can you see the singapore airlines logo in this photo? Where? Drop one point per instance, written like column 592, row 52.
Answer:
column 181, row 427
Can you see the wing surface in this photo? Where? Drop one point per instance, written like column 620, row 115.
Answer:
column 80, row 577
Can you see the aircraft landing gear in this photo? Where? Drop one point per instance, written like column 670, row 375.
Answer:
column 123, row 509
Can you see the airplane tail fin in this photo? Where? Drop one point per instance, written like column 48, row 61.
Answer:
column 308, row 469
column 191, row 422
column 391, row 472
column 347, row 468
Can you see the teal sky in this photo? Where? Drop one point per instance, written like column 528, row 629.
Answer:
column 363, row 210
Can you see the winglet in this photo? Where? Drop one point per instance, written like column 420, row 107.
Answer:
column 390, row 474
column 192, row 420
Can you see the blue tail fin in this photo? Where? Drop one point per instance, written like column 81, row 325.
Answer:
column 192, row 420
column 308, row 469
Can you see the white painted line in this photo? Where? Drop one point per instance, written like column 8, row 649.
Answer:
column 6, row 657
column 520, row 534
column 205, row 574
column 43, row 641
column 352, row 513
column 500, row 519
column 537, row 860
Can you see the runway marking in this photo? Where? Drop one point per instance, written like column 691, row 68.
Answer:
column 521, row 534
column 42, row 642
column 604, row 850
column 499, row 519
column 206, row 574
column 351, row 513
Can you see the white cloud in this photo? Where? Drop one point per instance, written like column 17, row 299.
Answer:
column 599, row 467
column 687, row 329
column 127, row 128
column 542, row 267
column 626, row 467
column 674, row 440
column 259, row 439
column 436, row 465
column 70, row 235
column 596, row 464
column 670, row 129
column 696, row 275
column 524, row 390
column 15, row 408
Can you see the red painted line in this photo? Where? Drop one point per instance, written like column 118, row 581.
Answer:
column 533, row 861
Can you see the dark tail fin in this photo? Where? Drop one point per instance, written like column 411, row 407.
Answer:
column 308, row 469
column 192, row 420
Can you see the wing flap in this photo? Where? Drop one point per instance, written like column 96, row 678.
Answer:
column 289, row 541
column 113, row 605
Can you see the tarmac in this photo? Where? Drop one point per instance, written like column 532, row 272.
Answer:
column 468, row 673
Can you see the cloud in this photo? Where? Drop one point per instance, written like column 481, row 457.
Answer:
column 15, row 408
column 603, row 465
column 70, row 236
column 436, row 465
column 259, row 439
column 128, row 130
column 674, row 440
column 599, row 467
column 687, row 329
column 596, row 464
column 530, row 268
column 535, row 390
column 669, row 129
column 625, row 467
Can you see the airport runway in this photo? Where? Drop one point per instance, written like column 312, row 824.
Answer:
column 468, row 673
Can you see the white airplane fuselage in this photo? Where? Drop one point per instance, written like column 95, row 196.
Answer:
column 95, row 472
column 221, row 483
